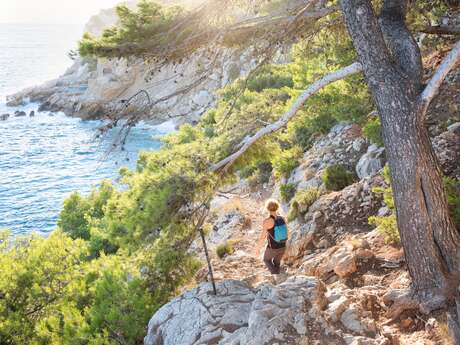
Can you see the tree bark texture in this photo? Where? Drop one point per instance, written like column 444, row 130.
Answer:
column 392, row 66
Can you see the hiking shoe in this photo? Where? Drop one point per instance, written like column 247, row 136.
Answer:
column 281, row 278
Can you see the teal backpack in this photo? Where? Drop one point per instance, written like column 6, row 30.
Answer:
column 280, row 231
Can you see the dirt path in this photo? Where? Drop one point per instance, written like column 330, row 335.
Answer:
column 246, row 262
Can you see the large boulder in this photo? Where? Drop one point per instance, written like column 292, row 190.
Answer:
column 371, row 162
column 334, row 215
column 288, row 313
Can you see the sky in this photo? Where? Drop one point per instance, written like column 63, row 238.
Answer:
column 51, row 11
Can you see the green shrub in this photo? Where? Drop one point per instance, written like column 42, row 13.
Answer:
column 453, row 197
column 225, row 248
column 387, row 226
column 247, row 171
column 286, row 161
column 73, row 217
column 306, row 131
column 373, row 131
column 287, row 191
column 336, row 177
column 302, row 201
column 260, row 175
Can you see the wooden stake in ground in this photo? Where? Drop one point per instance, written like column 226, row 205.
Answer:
column 205, row 247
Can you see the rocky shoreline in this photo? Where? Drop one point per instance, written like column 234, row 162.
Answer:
column 99, row 88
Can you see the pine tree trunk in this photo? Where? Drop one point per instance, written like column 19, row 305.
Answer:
column 392, row 67
column 430, row 241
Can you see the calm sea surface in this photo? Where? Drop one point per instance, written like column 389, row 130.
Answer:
column 46, row 157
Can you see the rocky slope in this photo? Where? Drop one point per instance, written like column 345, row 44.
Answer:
column 94, row 89
column 341, row 275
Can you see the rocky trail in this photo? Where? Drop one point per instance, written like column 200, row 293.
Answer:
column 342, row 277
column 246, row 262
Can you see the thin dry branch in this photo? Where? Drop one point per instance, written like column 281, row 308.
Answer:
column 315, row 87
column 435, row 82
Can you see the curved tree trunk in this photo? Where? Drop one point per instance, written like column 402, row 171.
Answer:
column 391, row 64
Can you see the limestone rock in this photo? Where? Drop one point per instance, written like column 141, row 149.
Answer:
column 336, row 308
column 4, row 117
column 371, row 162
column 335, row 214
column 286, row 314
column 353, row 321
column 344, row 145
column 344, row 262
column 92, row 87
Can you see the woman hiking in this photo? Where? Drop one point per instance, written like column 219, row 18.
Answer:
column 275, row 231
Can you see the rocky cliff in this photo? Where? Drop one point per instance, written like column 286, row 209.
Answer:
column 96, row 88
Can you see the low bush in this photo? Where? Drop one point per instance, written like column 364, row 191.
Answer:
column 336, row 177
column 270, row 77
column 302, row 201
column 387, row 226
column 287, row 191
column 247, row 171
column 373, row 131
column 225, row 248
column 258, row 174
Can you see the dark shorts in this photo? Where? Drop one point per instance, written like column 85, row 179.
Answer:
column 272, row 259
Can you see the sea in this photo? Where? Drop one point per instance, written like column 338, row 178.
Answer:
column 46, row 157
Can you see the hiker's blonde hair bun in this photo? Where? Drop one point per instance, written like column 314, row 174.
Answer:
column 272, row 205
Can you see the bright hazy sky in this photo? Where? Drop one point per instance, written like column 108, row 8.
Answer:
column 51, row 11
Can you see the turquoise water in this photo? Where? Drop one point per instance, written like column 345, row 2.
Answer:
column 46, row 157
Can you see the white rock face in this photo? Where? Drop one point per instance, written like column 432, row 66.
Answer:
column 288, row 313
column 371, row 162
column 343, row 145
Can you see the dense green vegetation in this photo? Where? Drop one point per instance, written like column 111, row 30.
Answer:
column 386, row 225
column 133, row 33
column 287, row 191
column 372, row 130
